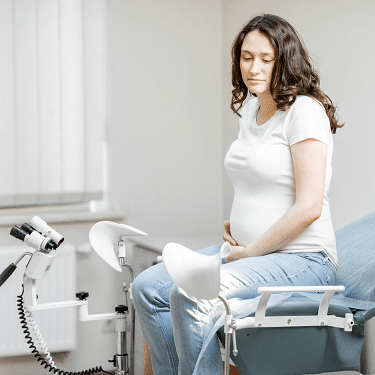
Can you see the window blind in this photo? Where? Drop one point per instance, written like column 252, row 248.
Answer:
column 52, row 101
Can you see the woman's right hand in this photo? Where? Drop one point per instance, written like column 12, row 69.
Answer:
column 227, row 235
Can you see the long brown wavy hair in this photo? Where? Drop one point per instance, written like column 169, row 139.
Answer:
column 293, row 73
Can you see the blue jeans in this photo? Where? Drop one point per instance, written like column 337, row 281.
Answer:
column 174, row 324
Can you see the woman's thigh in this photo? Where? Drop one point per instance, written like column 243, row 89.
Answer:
column 241, row 279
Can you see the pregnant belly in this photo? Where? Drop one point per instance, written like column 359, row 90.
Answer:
column 249, row 221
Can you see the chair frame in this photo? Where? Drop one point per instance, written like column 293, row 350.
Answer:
column 260, row 320
column 321, row 319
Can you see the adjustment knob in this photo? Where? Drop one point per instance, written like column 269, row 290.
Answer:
column 82, row 295
column 113, row 360
column 121, row 309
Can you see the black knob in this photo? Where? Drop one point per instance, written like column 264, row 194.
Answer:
column 113, row 360
column 82, row 295
column 121, row 309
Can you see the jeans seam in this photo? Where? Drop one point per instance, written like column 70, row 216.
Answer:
column 201, row 334
column 174, row 369
column 202, row 363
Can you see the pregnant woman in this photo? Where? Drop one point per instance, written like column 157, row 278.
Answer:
column 280, row 227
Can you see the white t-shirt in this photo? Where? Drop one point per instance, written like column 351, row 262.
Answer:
column 260, row 166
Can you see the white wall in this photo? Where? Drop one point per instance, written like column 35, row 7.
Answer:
column 166, row 131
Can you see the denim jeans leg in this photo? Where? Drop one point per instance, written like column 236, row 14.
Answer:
column 151, row 291
column 151, row 298
column 190, row 322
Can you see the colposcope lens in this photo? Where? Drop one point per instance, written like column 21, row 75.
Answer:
column 18, row 233
column 27, row 228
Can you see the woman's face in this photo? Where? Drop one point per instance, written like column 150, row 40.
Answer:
column 256, row 62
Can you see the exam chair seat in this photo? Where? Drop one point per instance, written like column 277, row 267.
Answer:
column 299, row 350
column 318, row 349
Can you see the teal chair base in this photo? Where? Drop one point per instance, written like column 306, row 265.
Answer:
column 298, row 350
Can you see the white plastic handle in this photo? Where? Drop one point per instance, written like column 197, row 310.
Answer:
column 300, row 289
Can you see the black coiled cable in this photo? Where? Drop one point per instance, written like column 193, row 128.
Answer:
column 55, row 370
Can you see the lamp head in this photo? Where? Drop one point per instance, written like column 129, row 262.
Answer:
column 105, row 235
column 197, row 274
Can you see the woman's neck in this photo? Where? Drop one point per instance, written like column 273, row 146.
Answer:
column 267, row 104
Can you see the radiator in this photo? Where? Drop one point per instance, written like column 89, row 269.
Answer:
column 57, row 326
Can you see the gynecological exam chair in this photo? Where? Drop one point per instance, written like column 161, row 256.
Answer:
column 290, row 330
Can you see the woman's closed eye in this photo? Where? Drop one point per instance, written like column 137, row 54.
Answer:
column 250, row 58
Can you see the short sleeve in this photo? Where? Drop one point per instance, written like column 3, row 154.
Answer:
column 307, row 119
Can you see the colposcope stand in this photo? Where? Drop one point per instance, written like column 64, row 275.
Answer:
column 104, row 237
column 120, row 359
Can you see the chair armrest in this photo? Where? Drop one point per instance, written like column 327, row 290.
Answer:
column 302, row 289
column 267, row 291
column 322, row 319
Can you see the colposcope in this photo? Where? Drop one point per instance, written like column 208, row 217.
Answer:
column 108, row 240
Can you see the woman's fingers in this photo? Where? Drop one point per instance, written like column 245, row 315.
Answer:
column 227, row 226
column 227, row 236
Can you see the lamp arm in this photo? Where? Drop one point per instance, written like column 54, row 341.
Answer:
column 30, row 298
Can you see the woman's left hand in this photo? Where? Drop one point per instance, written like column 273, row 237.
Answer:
column 237, row 252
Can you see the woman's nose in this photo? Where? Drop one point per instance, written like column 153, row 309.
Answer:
column 255, row 67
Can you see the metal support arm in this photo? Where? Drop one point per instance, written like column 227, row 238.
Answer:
column 322, row 319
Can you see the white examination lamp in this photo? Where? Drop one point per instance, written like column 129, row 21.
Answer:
column 199, row 276
column 105, row 235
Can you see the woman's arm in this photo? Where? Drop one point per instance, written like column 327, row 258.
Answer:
column 309, row 162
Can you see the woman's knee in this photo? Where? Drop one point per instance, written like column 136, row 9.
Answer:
column 179, row 300
column 143, row 283
column 181, row 303
column 177, row 295
column 150, row 283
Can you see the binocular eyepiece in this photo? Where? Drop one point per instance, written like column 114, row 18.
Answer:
column 43, row 228
column 40, row 236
